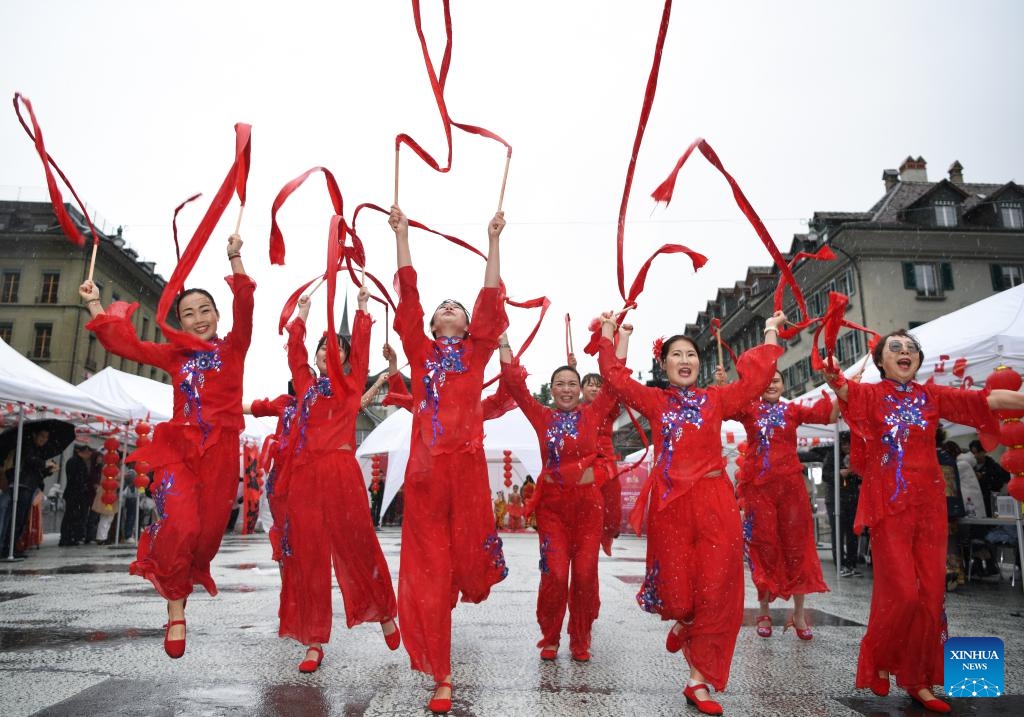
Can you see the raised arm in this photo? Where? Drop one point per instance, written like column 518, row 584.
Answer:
column 400, row 225
column 235, row 254
column 90, row 294
column 492, row 275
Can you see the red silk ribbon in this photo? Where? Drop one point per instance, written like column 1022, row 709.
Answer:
column 829, row 325
column 236, row 176
column 716, row 329
column 64, row 219
column 823, row 254
column 174, row 222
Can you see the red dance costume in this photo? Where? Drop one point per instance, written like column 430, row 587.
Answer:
column 273, row 460
column 778, row 529
column 327, row 517
column 606, row 473
column 902, row 500
column 570, row 514
column 194, row 456
column 449, row 543
column 694, row 539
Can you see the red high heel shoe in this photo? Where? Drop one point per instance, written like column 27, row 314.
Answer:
column 394, row 639
column 803, row 634
column 932, row 705
column 173, row 648
column 880, row 685
column 549, row 653
column 441, row 705
column 673, row 641
column 764, row 630
column 581, row 655
column 308, row 665
column 708, row 707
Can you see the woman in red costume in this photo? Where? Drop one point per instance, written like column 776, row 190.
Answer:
column 327, row 518
column 449, row 544
column 194, row 456
column 569, row 507
column 694, row 539
column 606, row 468
column 778, row 529
column 902, row 501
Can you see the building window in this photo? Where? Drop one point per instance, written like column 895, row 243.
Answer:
column 152, row 374
column 51, row 283
column 848, row 347
column 6, row 331
column 43, row 338
column 945, row 214
column 145, row 328
column 1012, row 216
column 90, row 353
column 930, row 280
column 1006, row 276
column 9, row 287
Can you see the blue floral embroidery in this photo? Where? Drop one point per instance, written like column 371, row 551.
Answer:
column 748, row 534
column 545, row 551
column 492, row 546
column 902, row 414
column 447, row 358
column 648, row 596
column 684, row 409
column 286, row 539
column 193, row 378
column 769, row 417
column 320, row 387
column 165, row 489
column 287, row 416
column 563, row 425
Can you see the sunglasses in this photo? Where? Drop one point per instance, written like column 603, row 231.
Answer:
column 897, row 346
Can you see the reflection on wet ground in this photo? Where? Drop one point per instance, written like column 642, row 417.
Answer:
column 135, row 698
column 1005, row 706
column 40, row 638
column 12, row 596
column 81, row 569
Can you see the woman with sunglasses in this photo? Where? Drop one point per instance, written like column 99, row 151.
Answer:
column 449, row 542
column 778, row 529
column 694, row 538
column 902, row 500
column 569, row 506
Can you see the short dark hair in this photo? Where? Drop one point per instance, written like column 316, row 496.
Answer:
column 187, row 292
column 341, row 340
column 667, row 344
column 594, row 378
column 975, row 445
column 876, row 353
column 564, row 368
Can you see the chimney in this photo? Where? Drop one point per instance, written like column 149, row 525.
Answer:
column 891, row 178
column 913, row 170
column 956, row 172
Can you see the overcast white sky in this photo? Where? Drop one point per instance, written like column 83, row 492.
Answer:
column 806, row 102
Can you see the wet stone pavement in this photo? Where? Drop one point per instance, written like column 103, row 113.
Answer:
column 79, row 636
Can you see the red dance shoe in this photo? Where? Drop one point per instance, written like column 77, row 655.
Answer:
column 803, row 634
column 581, row 655
column 441, row 705
column 393, row 639
column 932, row 705
column 764, row 630
column 173, row 648
column 673, row 641
column 708, row 707
column 549, row 653
column 880, row 685
column 308, row 665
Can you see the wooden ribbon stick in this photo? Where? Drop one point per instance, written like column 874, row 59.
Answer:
column 397, row 146
column 721, row 358
column 317, row 285
column 238, row 223
column 92, row 261
column 504, row 179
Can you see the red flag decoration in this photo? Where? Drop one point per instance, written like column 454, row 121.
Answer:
column 437, row 83
column 67, row 225
column 235, row 178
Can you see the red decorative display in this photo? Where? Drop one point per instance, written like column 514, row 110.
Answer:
column 507, row 460
column 1012, row 432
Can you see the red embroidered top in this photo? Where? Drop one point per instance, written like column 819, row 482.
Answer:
column 275, row 447
column 686, row 424
column 448, row 372
column 494, row 406
column 568, row 439
column 771, row 436
column 325, row 419
column 207, row 384
column 892, row 427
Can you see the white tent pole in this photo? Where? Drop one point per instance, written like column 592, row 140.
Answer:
column 835, row 487
column 120, row 488
column 17, row 478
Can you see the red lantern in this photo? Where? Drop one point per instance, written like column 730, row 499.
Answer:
column 1012, row 433
column 111, row 458
column 110, row 471
column 108, row 498
column 1003, row 377
column 141, row 481
column 111, row 444
column 108, row 484
column 142, row 428
column 142, row 466
column 142, row 441
column 507, row 460
column 375, row 473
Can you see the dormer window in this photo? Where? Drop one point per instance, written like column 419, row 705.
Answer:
column 1011, row 215
column 945, row 214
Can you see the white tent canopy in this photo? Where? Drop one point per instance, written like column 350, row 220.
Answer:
column 22, row 381
column 154, row 399
column 509, row 432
